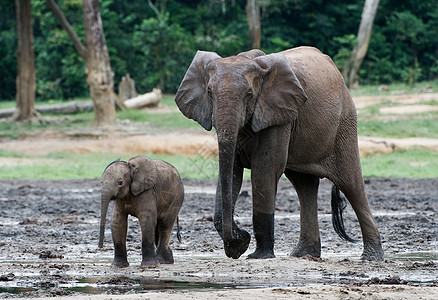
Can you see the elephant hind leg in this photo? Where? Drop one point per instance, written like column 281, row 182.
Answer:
column 354, row 190
column 339, row 203
column 306, row 186
column 164, row 254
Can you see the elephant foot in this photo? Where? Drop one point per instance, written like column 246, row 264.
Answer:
column 372, row 251
column 262, row 254
column 305, row 248
column 165, row 256
column 149, row 263
column 120, row 263
column 236, row 247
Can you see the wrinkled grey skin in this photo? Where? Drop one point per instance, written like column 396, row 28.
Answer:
column 150, row 190
column 288, row 112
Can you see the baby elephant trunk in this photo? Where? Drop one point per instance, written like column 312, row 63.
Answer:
column 104, row 210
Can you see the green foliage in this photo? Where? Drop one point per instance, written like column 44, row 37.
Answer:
column 8, row 45
column 346, row 45
column 165, row 51
column 156, row 49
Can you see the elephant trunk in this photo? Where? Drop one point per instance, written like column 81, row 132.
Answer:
column 227, row 127
column 105, row 199
column 226, row 163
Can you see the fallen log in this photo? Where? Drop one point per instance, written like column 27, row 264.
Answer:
column 148, row 99
column 73, row 107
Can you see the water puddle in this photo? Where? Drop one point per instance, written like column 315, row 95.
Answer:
column 415, row 256
column 123, row 285
column 417, row 270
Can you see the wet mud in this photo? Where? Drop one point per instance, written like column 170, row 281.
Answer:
column 49, row 235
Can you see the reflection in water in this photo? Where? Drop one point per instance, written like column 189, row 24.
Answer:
column 122, row 284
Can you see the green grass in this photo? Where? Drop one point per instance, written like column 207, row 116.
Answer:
column 373, row 90
column 372, row 123
column 163, row 120
column 402, row 128
column 169, row 100
column 89, row 166
column 14, row 131
column 7, row 104
column 402, row 164
column 410, row 164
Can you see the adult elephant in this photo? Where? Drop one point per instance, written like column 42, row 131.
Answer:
column 287, row 112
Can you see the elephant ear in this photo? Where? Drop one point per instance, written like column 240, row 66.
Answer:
column 144, row 174
column 281, row 94
column 191, row 97
column 252, row 53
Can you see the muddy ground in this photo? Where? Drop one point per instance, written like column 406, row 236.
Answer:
column 49, row 231
column 49, row 237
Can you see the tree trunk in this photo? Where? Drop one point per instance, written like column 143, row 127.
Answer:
column 363, row 37
column 25, row 82
column 253, row 16
column 100, row 77
column 127, row 88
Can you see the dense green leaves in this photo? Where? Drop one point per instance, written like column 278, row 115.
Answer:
column 155, row 47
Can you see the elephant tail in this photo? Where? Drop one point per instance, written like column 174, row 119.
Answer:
column 339, row 203
column 178, row 233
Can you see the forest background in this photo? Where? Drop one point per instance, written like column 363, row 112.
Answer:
column 156, row 46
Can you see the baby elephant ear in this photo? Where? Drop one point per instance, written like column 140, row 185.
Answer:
column 281, row 94
column 191, row 97
column 143, row 174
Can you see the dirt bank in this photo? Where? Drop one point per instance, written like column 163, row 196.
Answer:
column 49, row 235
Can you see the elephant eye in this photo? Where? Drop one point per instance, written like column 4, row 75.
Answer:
column 120, row 182
column 249, row 96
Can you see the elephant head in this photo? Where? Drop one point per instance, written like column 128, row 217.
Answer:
column 120, row 179
column 228, row 93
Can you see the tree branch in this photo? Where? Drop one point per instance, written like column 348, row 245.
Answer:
column 160, row 18
column 82, row 50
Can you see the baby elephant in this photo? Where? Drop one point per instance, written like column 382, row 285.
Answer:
column 150, row 190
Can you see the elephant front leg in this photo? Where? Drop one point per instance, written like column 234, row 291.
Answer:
column 264, row 190
column 119, row 230
column 268, row 162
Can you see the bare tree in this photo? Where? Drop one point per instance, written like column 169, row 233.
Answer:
column 25, row 82
column 363, row 37
column 100, row 77
column 253, row 16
